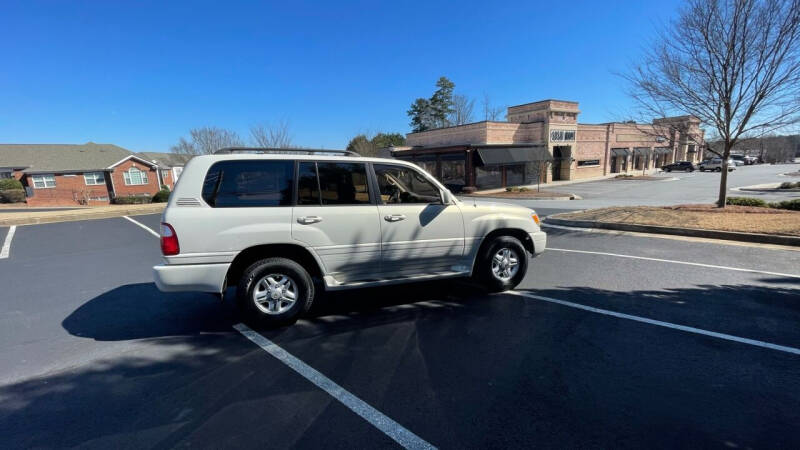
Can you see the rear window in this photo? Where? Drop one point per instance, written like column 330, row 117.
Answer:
column 249, row 183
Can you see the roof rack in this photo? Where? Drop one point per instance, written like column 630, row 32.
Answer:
column 283, row 151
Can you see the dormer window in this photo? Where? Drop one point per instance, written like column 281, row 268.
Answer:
column 134, row 177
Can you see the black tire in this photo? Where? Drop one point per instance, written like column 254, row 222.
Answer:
column 483, row 272
column 718, row 169
column 668, row 170
column 298, row 276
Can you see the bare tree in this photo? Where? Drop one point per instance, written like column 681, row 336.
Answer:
column 205, row 140
column 733, row 64
column 491, row 112
column 462, row 110
column 271, row 136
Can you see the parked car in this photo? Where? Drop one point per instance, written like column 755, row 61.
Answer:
column 281, row 226
column 738, row 160
column 686, row 166
column 715, row 164
column 750, row 160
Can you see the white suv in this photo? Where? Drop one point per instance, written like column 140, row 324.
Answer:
column 715, row 164
column 277, row 224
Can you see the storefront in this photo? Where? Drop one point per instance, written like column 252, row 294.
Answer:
column 482, row 166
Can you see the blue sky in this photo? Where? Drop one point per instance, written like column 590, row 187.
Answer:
column 141, row 74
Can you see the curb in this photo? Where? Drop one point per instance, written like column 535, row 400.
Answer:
column 76, row 215
column 691, row 232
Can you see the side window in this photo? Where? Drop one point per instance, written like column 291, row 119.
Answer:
column 343, row 183
column 307, row 186
column 400, row 184
column 254, row 183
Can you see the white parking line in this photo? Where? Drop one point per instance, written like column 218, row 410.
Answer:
column 673, row 237
column 5, row 251
column 149, row 230
column 728, row 337
column 376, row 418
column 687, row 263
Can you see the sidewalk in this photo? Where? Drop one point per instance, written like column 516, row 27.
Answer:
column 568, row 182
column 100, row 212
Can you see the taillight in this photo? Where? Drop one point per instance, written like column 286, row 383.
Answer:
column 169, row 240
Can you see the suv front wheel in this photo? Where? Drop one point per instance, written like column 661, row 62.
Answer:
column 502, row 264
column 274, row 292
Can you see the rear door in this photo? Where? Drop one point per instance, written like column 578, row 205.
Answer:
column 336, row 216
column 419, row 234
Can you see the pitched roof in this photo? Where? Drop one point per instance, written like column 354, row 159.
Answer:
column 62, row 157
column 166, row 159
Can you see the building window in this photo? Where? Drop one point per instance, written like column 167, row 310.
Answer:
column 453, row 172
column 43, row 181
column 589, row 163
column 5, row 175
column 134, row 177
column 94, row 178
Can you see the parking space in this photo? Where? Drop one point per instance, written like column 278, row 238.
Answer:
column 95, row 356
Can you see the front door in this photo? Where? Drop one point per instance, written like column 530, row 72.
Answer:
column 419, row 235
column 556, row 163
column 335, row 216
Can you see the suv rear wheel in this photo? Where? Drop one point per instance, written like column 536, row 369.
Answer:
column 502, row 264
column 274, row 292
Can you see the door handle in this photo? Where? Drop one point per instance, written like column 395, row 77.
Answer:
column 394, row 217
column 308, row 220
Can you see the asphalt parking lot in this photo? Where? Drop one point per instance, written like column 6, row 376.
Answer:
column 612, row 340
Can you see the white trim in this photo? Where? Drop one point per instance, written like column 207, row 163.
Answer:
column 377, row 419
column 659, row 323
column 143, row 177
column 42, row 176
column 86, row 180
column 129, row 157
column 5, row 251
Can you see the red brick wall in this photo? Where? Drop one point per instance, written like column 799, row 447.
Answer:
column 70, row 190
column 166, row 174
column 121, row 190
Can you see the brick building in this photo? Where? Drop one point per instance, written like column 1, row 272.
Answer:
column 88, row 174
column 543, row 141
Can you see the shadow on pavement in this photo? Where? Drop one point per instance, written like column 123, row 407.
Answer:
column 460, row 369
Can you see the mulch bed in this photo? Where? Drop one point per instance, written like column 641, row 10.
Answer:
column 746, row 219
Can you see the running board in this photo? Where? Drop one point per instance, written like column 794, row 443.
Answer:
column 332, row 284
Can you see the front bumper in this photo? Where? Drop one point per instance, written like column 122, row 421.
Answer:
column 190, row 277
column 539, row 239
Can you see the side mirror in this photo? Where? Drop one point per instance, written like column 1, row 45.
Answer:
column 443, row 198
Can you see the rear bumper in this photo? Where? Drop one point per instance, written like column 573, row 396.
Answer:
column 190, row 277
column 539, row 239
